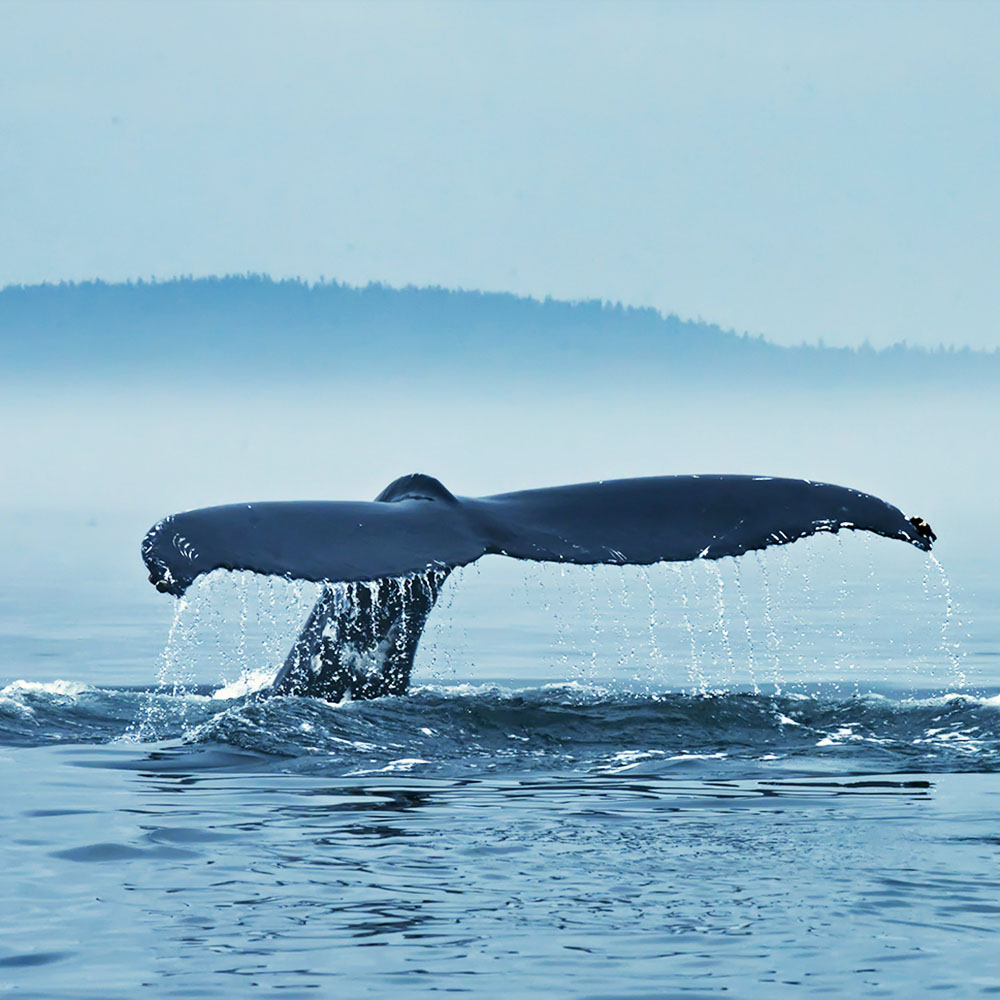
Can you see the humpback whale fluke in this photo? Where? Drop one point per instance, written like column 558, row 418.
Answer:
column 382, row 563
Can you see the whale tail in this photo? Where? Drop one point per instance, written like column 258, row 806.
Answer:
column 360, row 639
column 382, row 563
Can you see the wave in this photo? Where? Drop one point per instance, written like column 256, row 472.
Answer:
column 484, row 729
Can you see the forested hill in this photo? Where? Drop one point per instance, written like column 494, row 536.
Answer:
column 254, row 326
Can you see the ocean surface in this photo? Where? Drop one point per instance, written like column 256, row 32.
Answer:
column 774, row 776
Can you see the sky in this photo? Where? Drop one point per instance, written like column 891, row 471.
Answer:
column 817, row 171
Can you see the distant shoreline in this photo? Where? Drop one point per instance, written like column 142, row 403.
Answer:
column 253, row 324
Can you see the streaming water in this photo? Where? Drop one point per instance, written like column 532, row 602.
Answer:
column 629, row 640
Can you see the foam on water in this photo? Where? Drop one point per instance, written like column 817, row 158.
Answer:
column 60, row 688
column 478, row 729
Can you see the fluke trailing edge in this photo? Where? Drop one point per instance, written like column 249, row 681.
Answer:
column 382, row 563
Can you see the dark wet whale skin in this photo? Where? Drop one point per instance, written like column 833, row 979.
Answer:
column 407, row 540
column 416, row 523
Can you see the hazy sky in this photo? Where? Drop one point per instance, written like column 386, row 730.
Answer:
column 804, row 170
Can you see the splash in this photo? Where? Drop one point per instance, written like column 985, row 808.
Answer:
column 696, row 676
column 652, row 623
column 742, row 598
column 172, row 676
column 772, row 634
column 949, row 646
column 722, row 625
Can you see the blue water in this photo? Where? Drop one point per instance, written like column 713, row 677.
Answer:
column 765, row 778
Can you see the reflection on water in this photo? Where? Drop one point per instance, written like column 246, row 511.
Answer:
column 198, row 868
